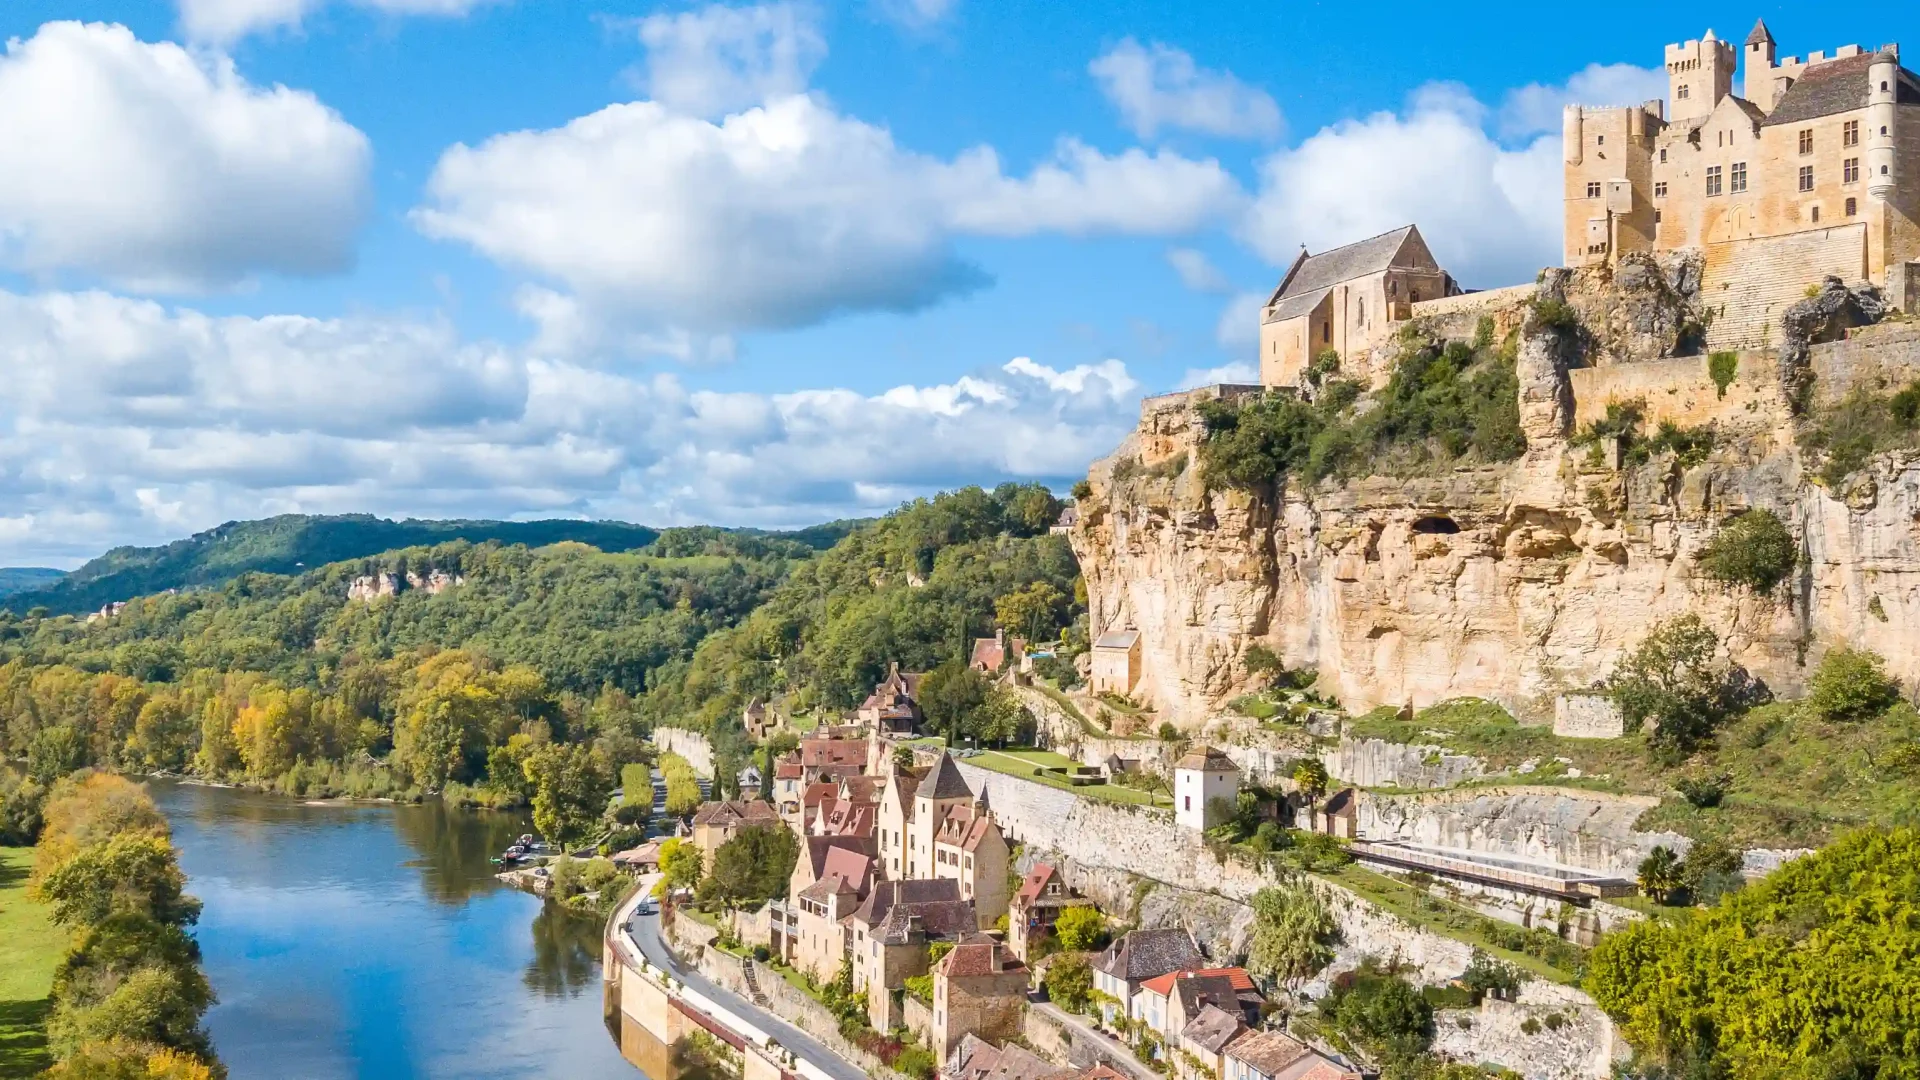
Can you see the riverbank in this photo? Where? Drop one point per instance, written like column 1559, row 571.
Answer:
column 30, row 949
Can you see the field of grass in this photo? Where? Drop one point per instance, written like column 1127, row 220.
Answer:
column 1441, row 916
column 1025, row 763
column 30, row 947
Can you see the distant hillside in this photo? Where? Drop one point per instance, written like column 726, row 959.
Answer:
column 291, row 543
column 15, row 579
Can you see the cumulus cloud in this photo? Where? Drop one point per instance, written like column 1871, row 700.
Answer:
column 1158, row 86
column 128, row 421
column 1532, row 109
column 779, row 216
column 1491, row 213
column 915, row 14
column 164, row 170
column 720, row 59
column 226, row 20
column 1196, row 271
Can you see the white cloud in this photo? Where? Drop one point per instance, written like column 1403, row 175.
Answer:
column 719, row 59
column 1492, row 215
column 226, row 20
column 1239, row 325
column 779, row 216
column 1159, row 86
column 1196, row 271
column 1242, row 372
column 1532, row 109
column 132, row 422
column 915, row 14
column 161, row 169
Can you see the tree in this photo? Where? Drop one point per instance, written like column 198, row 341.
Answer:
column 950, row 694
column 1069, row 981
column 571, row 786
column 1311, row 776
column 753, row 867
column 1003, row 718
column 1660, row 873
column 683, row 788
column 132, row 872
column 1293, row 932
column 1035, row 612
column 1852, row 684
column 1378, row 1013
column 1674, row 679
column 680, row 863
column 1754, row 549
column 1080, row 928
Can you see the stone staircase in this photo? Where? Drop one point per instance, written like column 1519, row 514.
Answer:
column 1751, row 283
column 753, row 984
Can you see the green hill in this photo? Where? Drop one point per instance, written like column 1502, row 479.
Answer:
column 15, row 579
column 289, row 544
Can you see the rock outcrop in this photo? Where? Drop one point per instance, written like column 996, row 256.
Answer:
column 1522, row 581
column 369, row 587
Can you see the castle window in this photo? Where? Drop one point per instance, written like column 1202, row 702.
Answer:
column 1593, row 189
column 1806, row 140
column 1816, row 215
column 1850, row 170
column 1853, row 207
column 1850, row 133
column 1414, row 296
column 1681, row 93
column 1656, row 217
column 1713, row 179
column 1660, row 190
column 1663, row 155
column 1806, row 178
column 1326, row 332
column 1600, row 140
column 1738, row 181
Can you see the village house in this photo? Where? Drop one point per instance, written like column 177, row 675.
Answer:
column 1035, row 907
column 1271, row 1055
column 991, row 655
column 942, row 830
column 747, row 783
column 830, row 760
column 715, row 823
column 893, row 708
column 891, row 930
column 1140, row 955
column 1337, row 816
column 900, row 785
column 1116, row 662
column 1170, row 1002
column 1345, row 301
column 979, row 989
column 788, row 780
column 807, row 929
column 974, row 1058
column 760, row 720
column 1206, row 785
column 1205, row 1040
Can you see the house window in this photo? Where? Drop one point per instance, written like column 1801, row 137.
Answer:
column 1660, row 190
column 1816, row 215
column 1362, row 312
column 1806, row 140
column 1713, row 179
column 1414, row 296
column 1656, row 217
column 1593, row 189
column 1738, row 181
column 1188, row 800
column 1850, row 171
column 1806, row 178
column 1326, row 332
column 1850, row 133
column 1853, row 207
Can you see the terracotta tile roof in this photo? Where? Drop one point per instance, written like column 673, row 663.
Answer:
column 1207, row 759
column 862, row 788
column 817, row 752
column 1236, row 977
column 975, row 959
column 1148, row 954
column 1269, row 1053
column 647, row 854
column 817, row 849
column 789, row 770
column 820, row 794
column 735, row 812
column 1035, row 883
column 964, row 827
column 1213, row 1029
column 1102, row 1072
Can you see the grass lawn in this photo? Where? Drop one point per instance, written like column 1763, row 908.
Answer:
column 30, row 947
column 1022, row 763
column 1406, row 901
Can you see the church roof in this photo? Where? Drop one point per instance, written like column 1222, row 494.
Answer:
column 1836, row 86
column 1311, row 275
column 1761, row 35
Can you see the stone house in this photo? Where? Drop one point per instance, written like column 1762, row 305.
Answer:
column 1810, row 170
column 1035, row 906
column 896, row 809
column 789, row 779
column 820, row 933
column 891, row 930
column 893, row 708
column 969, row 848
column 828, row 760
column 990, row 654
column 1116, row 662
column 715, row 823
column 760, row 719
column 1206, row 785
column 1346, row 300
column 980, row 989
column 1170, row 1002
column 974, row 1058
column 850, row 859
column 1338, row 816
column 1205, row 1039
column 1140, row 955
column 1270, row 1055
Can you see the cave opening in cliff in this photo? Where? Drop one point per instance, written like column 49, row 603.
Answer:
column 1436, row 525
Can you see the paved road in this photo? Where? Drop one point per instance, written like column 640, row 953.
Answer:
column 1113, row 1053
column 645, row 931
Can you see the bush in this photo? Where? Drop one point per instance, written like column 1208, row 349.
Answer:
column 1080, row 928
column 1082, row 490
column 1552, row 313
column 1754, row 549
column 1675, row 679
column 915, row 1061
column 1721, row 367
column 1852, row 684
column 1069, row 981
column 1704, row 790
column 1530, row 1026
column 1485, row 975
column 1861, row 425
column 1378, row 1012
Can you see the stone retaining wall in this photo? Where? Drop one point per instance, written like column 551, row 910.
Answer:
column 691, row 745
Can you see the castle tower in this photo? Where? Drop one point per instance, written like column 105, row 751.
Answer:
column 1699, row 74
column 1882, row 91
column 1758, row 84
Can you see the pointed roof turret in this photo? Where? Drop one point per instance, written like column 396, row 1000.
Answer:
column 945, row 781
column 1761, row 35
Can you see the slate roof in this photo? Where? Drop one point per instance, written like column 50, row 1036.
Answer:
column 1147, row 954
column 1292, row 307
column 1268, row 1052
column 945, row 781
column 735, row 812
column 1117, row 639
column 896, row 909
column 1311, row 275
column 1213, row 1029
column 1760, row 35
column 1835, row 86
column 829, row 886
column 978, row 959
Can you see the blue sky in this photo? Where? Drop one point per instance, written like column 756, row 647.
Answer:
column 750, row 264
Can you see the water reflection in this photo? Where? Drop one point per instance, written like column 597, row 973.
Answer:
column 372, row 941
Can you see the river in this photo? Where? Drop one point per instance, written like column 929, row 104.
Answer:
column 372, row 941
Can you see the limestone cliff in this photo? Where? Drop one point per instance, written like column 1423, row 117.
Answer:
column 1521, row 581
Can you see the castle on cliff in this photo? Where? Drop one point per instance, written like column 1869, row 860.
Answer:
column 1813, row 169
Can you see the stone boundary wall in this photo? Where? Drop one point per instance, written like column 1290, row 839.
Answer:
column 688, row 744
column 1587, row 716
column 1379, row 763
column 1186, row 399
column 1680, row 390
column 1749, row 283
column 1474, row 303
column 1884, row 357
column 1566, row 826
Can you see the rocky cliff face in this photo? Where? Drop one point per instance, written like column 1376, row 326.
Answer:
column 1521, row 581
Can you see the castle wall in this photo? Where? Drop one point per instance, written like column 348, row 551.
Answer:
column 1681, row 391
column 1749, row 284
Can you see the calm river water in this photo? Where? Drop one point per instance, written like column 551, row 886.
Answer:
column 372, row 941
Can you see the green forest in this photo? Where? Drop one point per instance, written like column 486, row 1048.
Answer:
column 537, row 675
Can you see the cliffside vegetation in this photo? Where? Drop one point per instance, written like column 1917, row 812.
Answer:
column 1811, row 972
column 1444, row 403
column 1848, row 433
column 534, row 678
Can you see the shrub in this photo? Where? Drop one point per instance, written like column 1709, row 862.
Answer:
column 1530, row 1026
column 1080, row 928
column 1553, row 313
column 1674, row 679
column 1069, row 981
column 1378, row 1012
column 1711, row 869
column 1754, row 549
column 1082, row 490
column 1169, row 733
column 1852, row 684
column 1485, row 975
column 1704, row 790
column 1721, row 367
column 915, row 1061
column 1859, row 426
